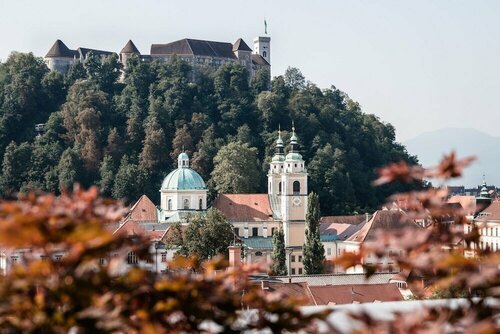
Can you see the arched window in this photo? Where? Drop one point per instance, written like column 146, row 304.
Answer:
column 200, row 204
column 279, row 188
column 186, row 204
column 169, row 205
column 296, row 187
column 264, row 54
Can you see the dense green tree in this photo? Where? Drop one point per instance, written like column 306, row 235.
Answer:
column 114, row 145
column 182, row 142
column 206, row 236
column 278, row 257
column 207, row 148
column 107, row 173
column 261, row 81
column 154, row 149
column 69, row 169
column 14, row 167
column 76, row 71
column 236, row 169
column 199, row 110
column 329, row 176
column 294, row 78
column 24, row 100
column 314, row 252
column 129, row 181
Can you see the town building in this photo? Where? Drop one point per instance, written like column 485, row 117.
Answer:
column 256, row 216
column 197, row 53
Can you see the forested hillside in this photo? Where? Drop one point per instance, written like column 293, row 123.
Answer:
column 125, row 136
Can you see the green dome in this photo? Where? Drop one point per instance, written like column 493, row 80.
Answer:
column 183, row 178
column 293, row 156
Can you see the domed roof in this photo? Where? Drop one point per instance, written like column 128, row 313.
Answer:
column 183, row 178
column 293, row 156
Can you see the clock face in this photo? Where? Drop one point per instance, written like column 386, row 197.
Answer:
column 296, row 201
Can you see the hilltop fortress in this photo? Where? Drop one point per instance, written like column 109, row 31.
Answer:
column 195, row 52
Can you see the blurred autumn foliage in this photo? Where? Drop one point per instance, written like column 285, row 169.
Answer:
column 85, row 292
column 442, row 259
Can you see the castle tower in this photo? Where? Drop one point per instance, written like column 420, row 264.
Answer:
column 128, row 51
column 262, row 46
column 244, row 54
column 60, row 57
column 294, row 194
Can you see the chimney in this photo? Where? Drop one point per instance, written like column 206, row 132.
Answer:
column 234, row 256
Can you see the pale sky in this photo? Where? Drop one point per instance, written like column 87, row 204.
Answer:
column 420, row 65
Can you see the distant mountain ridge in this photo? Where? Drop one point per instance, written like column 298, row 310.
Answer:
column 430, row 147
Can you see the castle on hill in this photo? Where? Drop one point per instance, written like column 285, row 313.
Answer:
column 195, row 52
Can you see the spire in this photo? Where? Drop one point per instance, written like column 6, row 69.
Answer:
column 484, row 189
column 280, row 147
column 294, row 145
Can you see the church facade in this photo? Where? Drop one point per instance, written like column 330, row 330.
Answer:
column 197, row 53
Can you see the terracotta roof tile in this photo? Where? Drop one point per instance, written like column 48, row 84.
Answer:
column 143, row 210
column 492, row 212
column 348, row 294
column 340, row 227
column 293, row 290
column 468, row 203
column 383, row 220
column 244, row 207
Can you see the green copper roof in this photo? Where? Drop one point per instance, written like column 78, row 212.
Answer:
column 293, row 156
column 183, row 178
column 258, row 243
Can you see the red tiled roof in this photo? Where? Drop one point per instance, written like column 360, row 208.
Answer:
column 348, row 294
column 383, row 220
column 143, row 210
column 492, row 212
column 468, row 203
column 244, row 207
column 341, row 226
column 294, row 290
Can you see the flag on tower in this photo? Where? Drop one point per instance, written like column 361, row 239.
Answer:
column 265, row 26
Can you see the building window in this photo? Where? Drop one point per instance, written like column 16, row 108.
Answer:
column 293, row 271
column 279, row 188
column 300, row 258
column 328, row 251
column 13, row 259
column 293, row 258
column 296, row 187
column 163, row 257
column 236, row 231
column 300, row 271
column 200, row 204
column 295, row 165
column 255, row 231
column 132, row 258
column 169, row 206
column 258, row 253
column 102, row 261
column 58, row 257
column 186, row 204
column 264, row 54
column 273, row 229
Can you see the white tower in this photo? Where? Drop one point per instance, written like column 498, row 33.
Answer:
column 276, row 168
column 262, row 46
